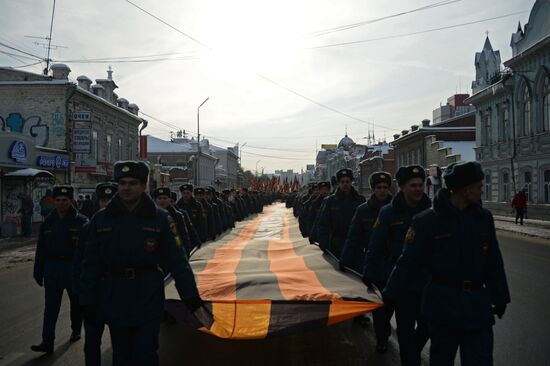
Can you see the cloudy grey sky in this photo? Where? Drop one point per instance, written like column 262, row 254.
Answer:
column 252, row 58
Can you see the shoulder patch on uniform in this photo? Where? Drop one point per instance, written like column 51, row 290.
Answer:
column 174, row 230
column 411, row 233
column 376, row 224
column 104, row 229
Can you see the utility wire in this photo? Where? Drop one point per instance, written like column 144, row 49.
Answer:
column 21, row 51
column 168, row 25
column 263, row 76
column 376, row 20
column 415, row 33
column 273, row 157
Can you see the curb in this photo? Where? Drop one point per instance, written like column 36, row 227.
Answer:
column 12, row 243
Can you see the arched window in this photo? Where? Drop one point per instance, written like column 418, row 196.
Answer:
column 546, row 105
column 504, row 123
column 505, row 187
column 547, row 186
column 526, row 109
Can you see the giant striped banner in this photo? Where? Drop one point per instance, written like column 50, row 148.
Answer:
column 263, row 279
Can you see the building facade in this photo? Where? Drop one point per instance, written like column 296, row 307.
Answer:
column 51, row 128
column 513, row 121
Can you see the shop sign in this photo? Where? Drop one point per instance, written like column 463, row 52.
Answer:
column 85, row 116
column 82, row 140
column 57, row 162
column 18, row 151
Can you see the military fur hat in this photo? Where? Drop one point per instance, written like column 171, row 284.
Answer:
column 186, row 187
column 323, row 185
column 210, row 189
column 161, row 191
column 406, row 173
column 379, row 177
column 106, row 190
column 345, row 172
column 131, row 169
column 199, row 190
column 462, row 174
column 66, row 191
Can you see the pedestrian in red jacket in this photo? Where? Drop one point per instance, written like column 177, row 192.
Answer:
column 519, row 203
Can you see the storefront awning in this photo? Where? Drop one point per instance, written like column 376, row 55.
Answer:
column 30, row 172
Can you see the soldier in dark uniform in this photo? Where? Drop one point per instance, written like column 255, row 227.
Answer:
column 210, row 194
column 194, row 235
column 304, row 211
column 386, row 245
column 163, row 200
column 355, row 248
column 456, row 241
column 230, row 207
column 209, row 216
column 93, row 331
column 323, row 190
column 194, row 208
column 337, row 212
column 129, row 241
column 53, row 268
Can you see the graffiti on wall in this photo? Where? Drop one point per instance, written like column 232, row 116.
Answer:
column 31, row 126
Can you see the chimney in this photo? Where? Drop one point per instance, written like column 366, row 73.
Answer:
column 109, row 87
column 425, row 122
column 60, row 71
column 98, row 90
column 133, row 108
column 414, row 128
column 404, row 132
column 122, row 103
column 84, row 82
column 396, row 136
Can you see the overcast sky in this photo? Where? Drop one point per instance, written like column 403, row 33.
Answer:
column 253, row 57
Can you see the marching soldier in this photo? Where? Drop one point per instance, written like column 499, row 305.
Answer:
column 162, row 197
column 194, row 208
column 386, row 245
column 194, row 235
column 209, row 215
column 93, row 331
column 314, row 208
column 337, row 213
column 57, row 242
column 355, row 248
column 128, row 242
column 456, row 241
column 304, row 211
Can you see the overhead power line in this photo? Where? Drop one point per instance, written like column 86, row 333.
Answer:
column 21, row 51
column 376, row 20
column 273, row 157
column 415, row 33
column 260, row 75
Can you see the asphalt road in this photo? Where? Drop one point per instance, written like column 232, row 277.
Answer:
column 520, row 337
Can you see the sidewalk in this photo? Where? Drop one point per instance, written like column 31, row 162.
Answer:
column 16, row 242
column 530, row 227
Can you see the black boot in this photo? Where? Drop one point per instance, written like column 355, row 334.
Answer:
column 47, row 348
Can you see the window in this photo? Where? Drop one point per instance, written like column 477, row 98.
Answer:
column 504, row 124
column 546, row 105
column 526, row 121
column 95, row 146
column 547, row 186
column 527, row 185
column 486, row 126
column 119, row 149
column 109, row 149
column 505, row 187
column 487, row 189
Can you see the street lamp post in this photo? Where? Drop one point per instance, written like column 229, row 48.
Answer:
column 197, row 165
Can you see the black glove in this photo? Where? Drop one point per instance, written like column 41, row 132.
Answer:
column 90, row 313
column 193, row 303
column 39, row 281
column 341, row 266
column 311, row 241
column 499, row 310
column 388, row 301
